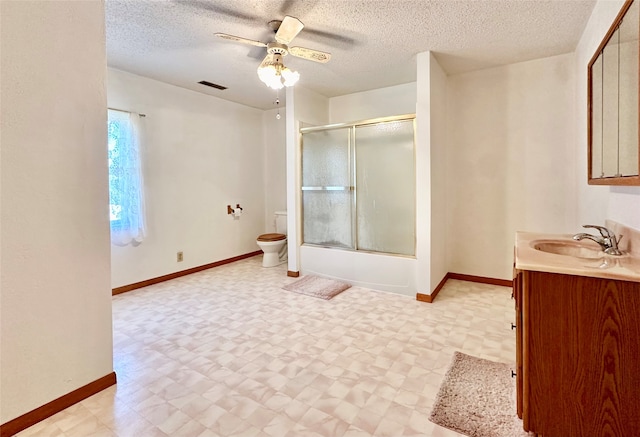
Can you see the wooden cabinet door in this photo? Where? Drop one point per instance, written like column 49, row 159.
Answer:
column 517, row 295
column 581, row 356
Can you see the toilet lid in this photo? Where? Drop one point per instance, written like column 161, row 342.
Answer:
column 271, row 237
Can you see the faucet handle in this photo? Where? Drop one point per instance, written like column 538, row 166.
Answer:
column 606, row 233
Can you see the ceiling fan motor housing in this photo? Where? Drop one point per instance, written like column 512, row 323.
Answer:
column 276, row 48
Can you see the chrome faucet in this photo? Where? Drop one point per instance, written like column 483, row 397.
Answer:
column 607, row 239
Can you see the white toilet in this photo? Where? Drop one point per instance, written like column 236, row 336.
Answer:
column 274, row 245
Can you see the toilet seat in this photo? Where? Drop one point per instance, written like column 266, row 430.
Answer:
column 272, row 237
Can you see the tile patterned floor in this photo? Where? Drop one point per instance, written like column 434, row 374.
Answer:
column 227, row 352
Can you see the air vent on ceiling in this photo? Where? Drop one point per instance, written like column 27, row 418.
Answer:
column 213, row 85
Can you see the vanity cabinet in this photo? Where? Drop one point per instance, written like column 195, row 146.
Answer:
column 577, row 354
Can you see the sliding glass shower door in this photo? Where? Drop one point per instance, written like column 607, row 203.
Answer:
column 327, row 188
column 358, row 186
column 386, row 181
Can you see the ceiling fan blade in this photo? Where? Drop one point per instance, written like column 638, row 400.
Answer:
column 311, row 55
column 289, row 28
column 241, row 40
column 267, row 60
column 207, row 7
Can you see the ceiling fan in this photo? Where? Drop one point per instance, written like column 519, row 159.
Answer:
column 272, row 71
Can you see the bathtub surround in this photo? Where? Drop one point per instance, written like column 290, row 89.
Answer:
column 396, row 274
column 404, row 275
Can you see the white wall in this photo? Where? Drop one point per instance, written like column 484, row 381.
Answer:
column 382, row 102
column 201, row 153
column 55, row 288
column 304, row 107
column 597, row 203
column 512, row 163
column 310, row 107
column 439, row 187
column 275, row 165
column 424, row 187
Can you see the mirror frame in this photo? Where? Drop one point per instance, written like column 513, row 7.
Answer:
column 619, row 180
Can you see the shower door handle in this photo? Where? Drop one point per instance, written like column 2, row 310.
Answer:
column 329, row 188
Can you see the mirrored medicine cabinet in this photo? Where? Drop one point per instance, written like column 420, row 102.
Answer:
column 613, row 102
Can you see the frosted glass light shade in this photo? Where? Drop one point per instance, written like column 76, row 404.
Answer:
column 290, row 77
column 272, row 72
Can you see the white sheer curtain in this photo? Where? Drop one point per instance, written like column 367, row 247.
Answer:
column 126, row 196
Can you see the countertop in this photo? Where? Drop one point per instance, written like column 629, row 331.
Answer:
column 625, row 268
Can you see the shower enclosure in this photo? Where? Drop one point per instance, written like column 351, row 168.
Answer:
column 358, row 186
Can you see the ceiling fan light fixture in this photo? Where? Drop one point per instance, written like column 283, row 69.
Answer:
column 270, row 76
column 290, row 77
column 272, row 72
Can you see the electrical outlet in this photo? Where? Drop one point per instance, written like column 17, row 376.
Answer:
column 180, row 257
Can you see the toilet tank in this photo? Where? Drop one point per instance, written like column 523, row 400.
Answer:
column 281, row 222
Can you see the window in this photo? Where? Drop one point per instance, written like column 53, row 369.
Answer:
column 126, row 198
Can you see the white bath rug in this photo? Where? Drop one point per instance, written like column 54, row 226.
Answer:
column 316, row 286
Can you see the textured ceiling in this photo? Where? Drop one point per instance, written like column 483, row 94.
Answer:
column 373, row 43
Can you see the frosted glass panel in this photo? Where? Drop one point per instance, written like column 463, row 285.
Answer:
column 610, row 105
column 327, row 218
column 385, row 183
column 358, row 187
column 325, row 158
column 597, row 167
column 628, row 118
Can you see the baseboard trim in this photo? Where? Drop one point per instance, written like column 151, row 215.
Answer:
column 481, row 279
column 293, row 274
column 429, row 298
column 49, row 409
column 424, row 297
column 125, row 288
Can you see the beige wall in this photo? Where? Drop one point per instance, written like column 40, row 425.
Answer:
column 55, row 290
column 511, row 162
column 438, row 147
column 381, row 102
column 275, row 166
column 304, row 108
column 424, row 187
column 200, row 154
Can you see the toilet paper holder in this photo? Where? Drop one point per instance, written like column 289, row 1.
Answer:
column 231, row 210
